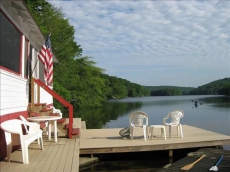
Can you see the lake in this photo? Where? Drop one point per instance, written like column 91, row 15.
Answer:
column 212, row 113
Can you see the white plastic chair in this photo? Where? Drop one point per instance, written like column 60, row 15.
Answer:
column 56, row 110
column 14, row 126
column 175, row 121
column 31, row 131
column 138, row 119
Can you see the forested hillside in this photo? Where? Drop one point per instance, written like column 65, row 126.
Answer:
column 218, row 87
column 173, row 89
column 121, row 88
column 79, row 80
column 76, row 77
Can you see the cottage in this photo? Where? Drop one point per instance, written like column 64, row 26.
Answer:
column 21, row 40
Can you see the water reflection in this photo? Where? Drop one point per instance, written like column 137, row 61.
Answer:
column 96, row 118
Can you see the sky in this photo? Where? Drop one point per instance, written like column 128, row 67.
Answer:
column 154, row 43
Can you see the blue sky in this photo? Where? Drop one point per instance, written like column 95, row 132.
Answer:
column 153, row 43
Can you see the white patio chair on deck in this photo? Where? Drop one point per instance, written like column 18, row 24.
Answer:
column 175, row 122
column 14, row 126
column 138, row 119
column 26, row 127
column 56, row 111
column 31, row 130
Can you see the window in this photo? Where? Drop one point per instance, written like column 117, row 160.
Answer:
column 10, row 40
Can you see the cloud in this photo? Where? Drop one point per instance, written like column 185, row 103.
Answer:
column 181, row 43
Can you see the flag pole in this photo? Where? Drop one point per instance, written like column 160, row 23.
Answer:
column 37, row 61
column 32, row 83
column 34, row 67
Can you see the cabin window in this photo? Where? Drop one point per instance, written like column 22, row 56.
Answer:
column 10, row 45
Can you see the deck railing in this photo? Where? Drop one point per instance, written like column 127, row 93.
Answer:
column 61, row 100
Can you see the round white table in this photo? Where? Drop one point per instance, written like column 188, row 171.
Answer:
column 39, row 119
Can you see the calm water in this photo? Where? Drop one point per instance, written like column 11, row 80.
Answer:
column 213, row 115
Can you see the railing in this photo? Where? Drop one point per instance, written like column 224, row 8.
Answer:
column 61, row 100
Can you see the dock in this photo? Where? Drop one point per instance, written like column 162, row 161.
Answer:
column 96, row 141
column 212, row 156
column 65, row 155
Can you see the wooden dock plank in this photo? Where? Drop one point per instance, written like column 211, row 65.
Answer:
column 77, row 123
column 62, row 161
column 212, row 156
column 64, row 155
column 50, row 159
column 57, row 158
column 34, row 161
column 15, row 161
column 62, row 141
column 69, row 158
column 75, row 162
column 40, row 162
column 94, row 141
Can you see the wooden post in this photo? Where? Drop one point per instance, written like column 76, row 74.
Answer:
column 38, row 93
column 170, row 156
column 32, row 95
column 170, row 153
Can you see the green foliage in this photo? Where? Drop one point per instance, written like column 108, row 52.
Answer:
column 51, row 20
column 167, row 92
column 77, row 75
column 66, row 94
column 84, row 81
column 213, row 88
column 121, row 88
column 225, row 90
column 184, row 90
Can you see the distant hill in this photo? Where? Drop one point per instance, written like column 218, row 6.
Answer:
column 184, row 90
column 218, row 87
column 213, row 88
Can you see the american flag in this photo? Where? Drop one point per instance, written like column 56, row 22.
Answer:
column 46, row 57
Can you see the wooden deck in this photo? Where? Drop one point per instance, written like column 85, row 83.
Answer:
column 64, row 155
column 95, row 141
column 60, row 156
column 212, row 156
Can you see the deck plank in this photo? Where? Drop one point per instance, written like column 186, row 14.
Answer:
column 57, row 158
column 39, row 162
column 75, row 162
column 64, row 155
column 15, row 161
column 94, row 141
column 69, row 158
column 63, row 158
column 76, row 122
column 51, row 158
column 212, row 155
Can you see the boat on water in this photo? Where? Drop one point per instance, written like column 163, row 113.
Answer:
column 196, row 103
